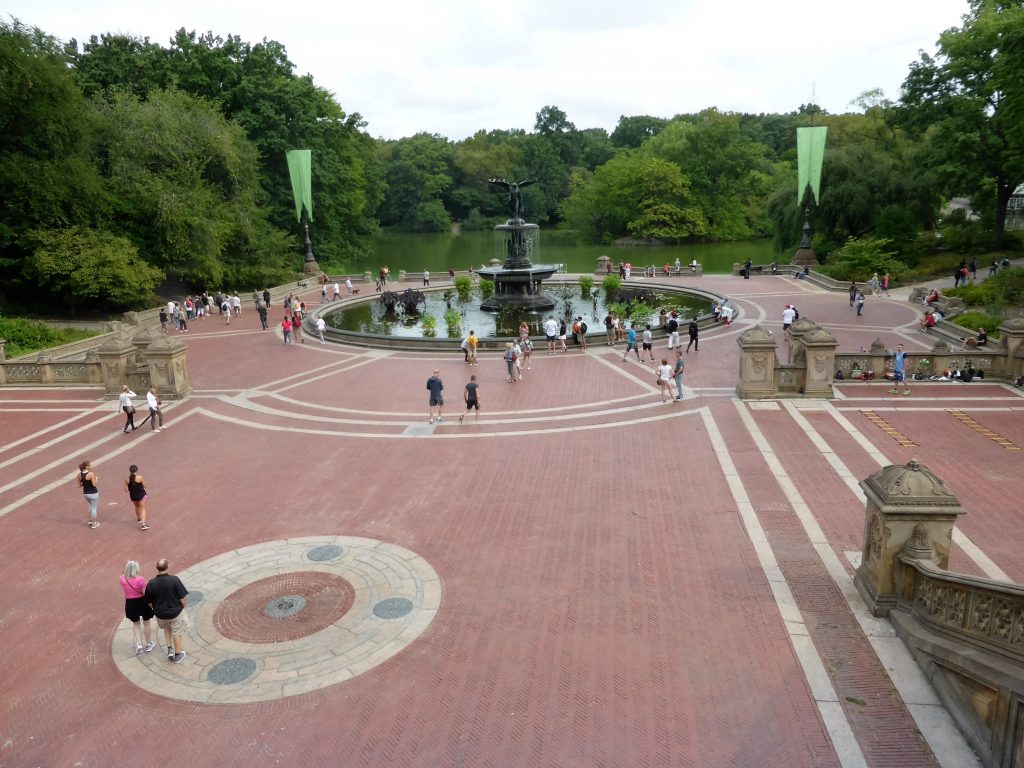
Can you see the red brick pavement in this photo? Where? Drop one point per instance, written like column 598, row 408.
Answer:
column 602, row 602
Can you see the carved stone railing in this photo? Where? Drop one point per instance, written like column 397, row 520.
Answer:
column 965, row 632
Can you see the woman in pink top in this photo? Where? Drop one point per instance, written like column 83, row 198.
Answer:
column 136, row 609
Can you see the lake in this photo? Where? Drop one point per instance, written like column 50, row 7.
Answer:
column 437, row 253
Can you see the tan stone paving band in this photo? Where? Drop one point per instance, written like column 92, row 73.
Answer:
column 395, row 594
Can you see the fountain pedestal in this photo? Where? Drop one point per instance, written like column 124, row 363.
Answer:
column 517, row 283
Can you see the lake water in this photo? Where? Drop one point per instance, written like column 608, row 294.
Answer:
column 436, row 253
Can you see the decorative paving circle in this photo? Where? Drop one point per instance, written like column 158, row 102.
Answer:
column 256, row 613
column 288, row 617
column 392, row 608
column 231, row 671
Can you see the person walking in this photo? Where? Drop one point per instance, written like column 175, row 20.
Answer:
column 647, row 341
column 561, row 336
column 286, row 328
column 426, row 277
column 664, row 374
column 899, row 368
column 89, row 482
column 972, row 268
column 155, row 413
column 136, row 609
column 266, row 296
column 126, row 405
column 471, row 344
column 677, row 372
column 631, row 344
column 672, row 327
column 885, row 283
column 348, row 286
column 472, row 398
column 297, row 328
column 609, row 331
column 582, row 338
column 168, row 598
column 510, row 363
column 136, row 488
column 435, row 386
column 262, row 310
column 527, row 349
column 853, row 294
column 860, row 302
column 236, row 304
column 163, row 320
column 321, row 326
column 874, row 284
column 694, row 330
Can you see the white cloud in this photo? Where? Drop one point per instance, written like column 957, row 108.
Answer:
column 459, row 66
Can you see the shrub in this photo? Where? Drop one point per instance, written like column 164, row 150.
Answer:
column 430, row 216
column 453, row 320
column 25, row 336
column 974, row 320
column 486, row 288
column 463, row 286
column 973, row 295
column 611, row 283
column 429, row 324
column 859, row 258
column 586, row 285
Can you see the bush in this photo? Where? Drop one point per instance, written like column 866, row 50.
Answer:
column 1006, row 287
column 611, row 283
column 586, row 285
column 477, row 222
column 463, row 286
column 430, row 217
column 453, row 320
column 486, row 288
column 972, row 295
column 25, row 336
column 859, row 258
column 429, row 324
column 975, row 320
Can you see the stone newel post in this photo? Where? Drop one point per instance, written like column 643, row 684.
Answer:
column 167, row 369
column 757, row 364
column 115, row 358
column 820, row 352
column 908, row 510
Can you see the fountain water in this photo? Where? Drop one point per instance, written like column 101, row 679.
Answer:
column 517, row 283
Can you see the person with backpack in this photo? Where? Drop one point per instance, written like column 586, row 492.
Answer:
column 510, row 363
column 693, row 330
column 672, row 327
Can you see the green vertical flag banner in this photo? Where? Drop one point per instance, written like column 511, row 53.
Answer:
column 810, row 153
column 300, row 168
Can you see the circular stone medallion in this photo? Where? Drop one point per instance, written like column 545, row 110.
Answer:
column 287, row 617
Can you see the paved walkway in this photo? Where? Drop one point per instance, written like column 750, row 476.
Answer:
column 583, row 577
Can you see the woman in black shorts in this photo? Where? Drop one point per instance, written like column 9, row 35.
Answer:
column 136, row 609
column 137, row 493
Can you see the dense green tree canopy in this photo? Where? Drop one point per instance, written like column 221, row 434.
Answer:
column 967, row 102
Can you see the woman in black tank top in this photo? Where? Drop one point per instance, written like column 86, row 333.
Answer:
column 89, row 483
column 137, row 493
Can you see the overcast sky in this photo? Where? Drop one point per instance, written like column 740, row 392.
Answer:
column 457, row 66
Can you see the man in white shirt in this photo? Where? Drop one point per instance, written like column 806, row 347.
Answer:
column 155, row 414
column 348, row 285
column 321, row 326
column 337, row 292
column 788, row 314
column 551, row 332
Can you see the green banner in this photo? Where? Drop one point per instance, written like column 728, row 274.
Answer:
column 810, row 153
column 300, row 168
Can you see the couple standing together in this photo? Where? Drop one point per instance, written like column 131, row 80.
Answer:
column 153, row 402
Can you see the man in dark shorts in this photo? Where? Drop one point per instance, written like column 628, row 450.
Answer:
column 168, row 597
column 436, row 386
column 472, row 397
column 551, row 332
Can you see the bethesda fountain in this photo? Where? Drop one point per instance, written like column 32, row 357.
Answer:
column 517, row 282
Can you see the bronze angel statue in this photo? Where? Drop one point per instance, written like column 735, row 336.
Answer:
column 515, row 197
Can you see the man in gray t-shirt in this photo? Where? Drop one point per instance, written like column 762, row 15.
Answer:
column 435, row 387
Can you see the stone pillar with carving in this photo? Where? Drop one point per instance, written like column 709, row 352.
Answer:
column 602, row 265
column 3, row 356
column 1012, row 332
column 168, row 371
column 909, row 510
column 820, row 353
column 757, row 364
column 116, row 356
column 877, row 360
column 940, row 358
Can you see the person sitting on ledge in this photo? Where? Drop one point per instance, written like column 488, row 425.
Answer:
column 693, row 265
column 774, row 267
column 931, row 298
column 928, row 321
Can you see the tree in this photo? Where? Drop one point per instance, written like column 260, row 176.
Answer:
column 78, row 264
column 968, row 103
column 631, row 132
column 417, row 170
column 47, row 173
column 186, row 189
